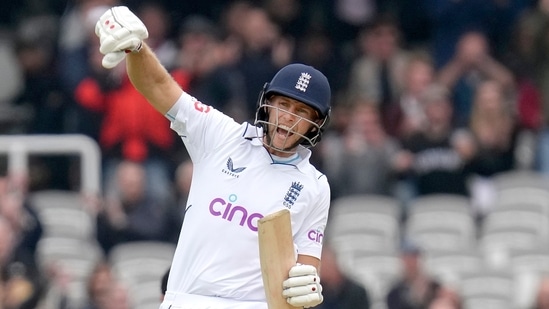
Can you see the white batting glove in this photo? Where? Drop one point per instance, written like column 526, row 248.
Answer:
column 120, row 31
column 302, row 288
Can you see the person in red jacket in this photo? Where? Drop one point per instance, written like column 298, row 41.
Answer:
column 130, row 129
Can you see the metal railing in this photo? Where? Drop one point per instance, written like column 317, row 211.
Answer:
column 19, row 147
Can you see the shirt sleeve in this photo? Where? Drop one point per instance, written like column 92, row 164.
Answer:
column 309, row 237
column 201, row 127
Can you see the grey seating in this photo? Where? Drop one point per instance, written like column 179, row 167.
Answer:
column 72, row 257
column 363, row 224
column 441, row 222
column 63, row 214
column 140, row 265
column 529, row 267
column 449, row 267
column 488, row 289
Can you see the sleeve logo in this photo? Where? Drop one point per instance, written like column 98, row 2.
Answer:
column 201, row 107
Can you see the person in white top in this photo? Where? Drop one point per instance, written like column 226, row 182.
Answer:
column 241, row 172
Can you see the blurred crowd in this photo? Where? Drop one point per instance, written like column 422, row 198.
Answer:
column 428, row 97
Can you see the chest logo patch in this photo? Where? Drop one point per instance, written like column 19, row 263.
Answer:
column 292, row 194
column 232, row 170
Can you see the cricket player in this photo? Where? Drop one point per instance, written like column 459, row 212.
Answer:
column 241, row 172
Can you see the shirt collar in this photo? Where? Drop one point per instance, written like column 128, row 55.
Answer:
column 255, row 133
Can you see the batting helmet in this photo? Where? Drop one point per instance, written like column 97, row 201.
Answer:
column 302, row 83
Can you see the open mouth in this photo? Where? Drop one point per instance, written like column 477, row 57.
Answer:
column 284, row 131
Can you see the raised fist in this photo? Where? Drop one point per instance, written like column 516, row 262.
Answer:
column 120, row 31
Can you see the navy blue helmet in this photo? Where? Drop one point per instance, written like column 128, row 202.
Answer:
column 302, row 83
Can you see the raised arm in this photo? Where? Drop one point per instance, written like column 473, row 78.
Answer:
column 121, row 34
column 152, row 80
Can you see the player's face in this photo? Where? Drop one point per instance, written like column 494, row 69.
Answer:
column 289, row 121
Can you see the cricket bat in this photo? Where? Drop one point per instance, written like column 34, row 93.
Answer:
column 276, row 253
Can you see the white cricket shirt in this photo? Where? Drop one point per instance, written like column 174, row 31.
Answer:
column 235, row 183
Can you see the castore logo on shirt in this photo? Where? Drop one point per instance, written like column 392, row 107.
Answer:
column 231, row 170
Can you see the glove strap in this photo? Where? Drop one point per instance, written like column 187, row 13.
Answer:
column 136, row 50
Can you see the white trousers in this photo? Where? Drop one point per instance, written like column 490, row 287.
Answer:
column 190, row 301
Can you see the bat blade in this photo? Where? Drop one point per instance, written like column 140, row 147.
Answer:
column 276, row 253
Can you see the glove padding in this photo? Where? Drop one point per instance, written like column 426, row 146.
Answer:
column 302, row 288
column 120, row 31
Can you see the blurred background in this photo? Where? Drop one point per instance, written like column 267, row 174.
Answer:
column 437, row 151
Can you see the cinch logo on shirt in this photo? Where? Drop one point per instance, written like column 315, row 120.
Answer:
column 227, row 211
column 316, row 235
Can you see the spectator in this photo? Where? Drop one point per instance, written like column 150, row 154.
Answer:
column 264, row 50
column 75, row 48
column 433, row 160
column 291, row 16
column 347, row 17
column 98, row 285
column 158, row 21
column 12, row 117
column 406, row 115
column 494, row 127
column 416, row 289
column 360, row 161
column 524, row 58
column 339, row 121
column 42, row 92
column 131, row 213
column 450, row 20
column 471, row 64
column 22, row 282
column 441, row 303
column 532, row 28
column 209, row 59
column 76, row 30
column 535, row 22
column 316, row 48
column 117, row 297
column 16, row 208
column 340, row 291
column 42, row 99
column 130, row 130
column 446, row 298
column 376, row 75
